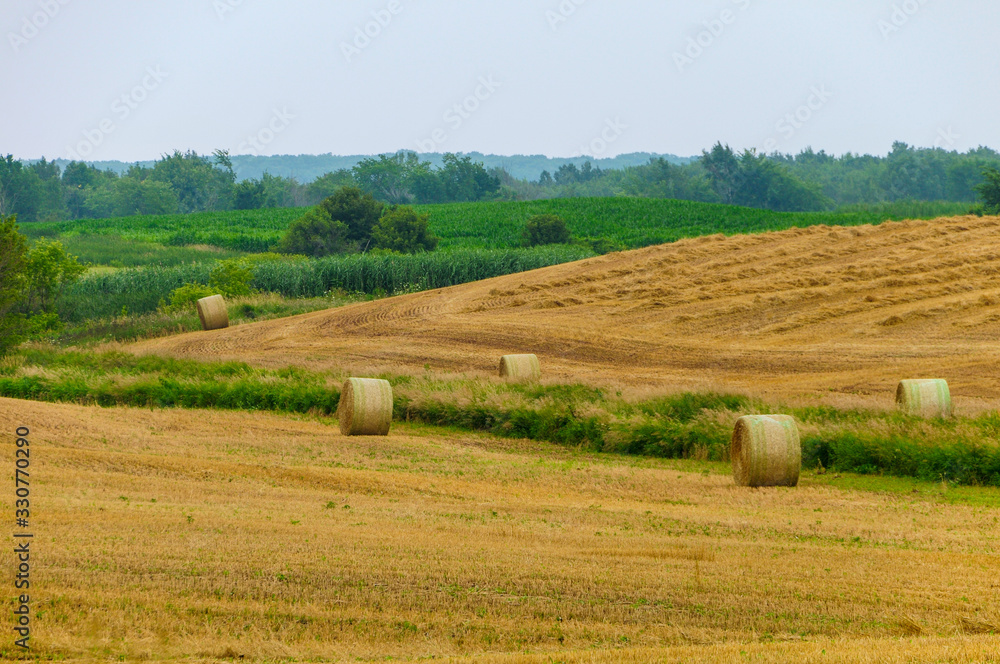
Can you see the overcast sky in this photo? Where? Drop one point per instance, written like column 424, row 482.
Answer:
column 132, row 79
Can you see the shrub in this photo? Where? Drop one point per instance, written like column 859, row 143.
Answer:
column 231, row 278
column 49, row 270
column 13, row 259
column 357, row 210
column 186, row 296
column 402, row 229
column 316, row 235
column 545, row 229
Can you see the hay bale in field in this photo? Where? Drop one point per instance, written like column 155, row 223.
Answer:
column 520, row 366
column 766, row 451
column 365, row 407
column 925, row 397
column 213, row 313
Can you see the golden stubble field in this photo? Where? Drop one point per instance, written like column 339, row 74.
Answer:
column 815, row 311
column 198, row 535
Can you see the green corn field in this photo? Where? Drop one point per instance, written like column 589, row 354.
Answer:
column 627, row 222
column 141, row 290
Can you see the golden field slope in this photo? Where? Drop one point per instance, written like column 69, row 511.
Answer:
column 185, row 534
column 804, row 311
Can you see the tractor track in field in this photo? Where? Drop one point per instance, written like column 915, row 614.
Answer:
column 808, row 310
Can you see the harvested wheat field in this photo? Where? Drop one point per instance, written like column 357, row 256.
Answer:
column 195, row 534
column 802, row 312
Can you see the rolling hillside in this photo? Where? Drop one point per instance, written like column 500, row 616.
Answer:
column 803, row 311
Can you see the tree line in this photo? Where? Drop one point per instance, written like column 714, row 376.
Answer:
column 189, row 182
column 808, row 181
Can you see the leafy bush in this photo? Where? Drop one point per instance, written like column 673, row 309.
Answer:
column 13, row 260
column 358, row 210
column 49, row 270
column 231, row 278
column 186, row 296
column 402, row 229
column 316, row 235
column 545, row 229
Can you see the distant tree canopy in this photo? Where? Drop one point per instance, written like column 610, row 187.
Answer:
column 545, row 229
column 753, row 180
column 403, row 178
column 188, row 182
column 989, row 191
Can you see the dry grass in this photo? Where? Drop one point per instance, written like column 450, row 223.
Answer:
column 193, row 534
column 821, row 312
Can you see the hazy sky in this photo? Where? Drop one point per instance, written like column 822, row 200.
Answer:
column 132, row 79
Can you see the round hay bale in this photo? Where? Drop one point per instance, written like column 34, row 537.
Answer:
column 213, row 313
column 525, row 367
column 925, row 397
column 365, row 407
column 766, row 451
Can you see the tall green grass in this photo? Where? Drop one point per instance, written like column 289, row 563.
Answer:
column 116, row 251
column 687, row 425
column 141, row 290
